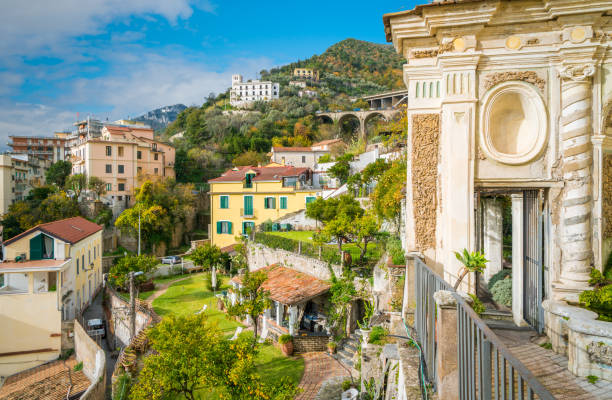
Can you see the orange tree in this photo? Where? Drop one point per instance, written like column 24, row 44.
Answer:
column 387, row 197
column 191, row 356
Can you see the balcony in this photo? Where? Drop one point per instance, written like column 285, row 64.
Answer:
column 248, row 214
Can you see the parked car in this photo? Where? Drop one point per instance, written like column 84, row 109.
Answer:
column 95, row 327
column 171, row 260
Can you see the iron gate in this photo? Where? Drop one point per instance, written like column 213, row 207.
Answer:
column 533, row 273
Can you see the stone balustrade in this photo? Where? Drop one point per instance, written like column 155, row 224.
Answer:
column 576, row 333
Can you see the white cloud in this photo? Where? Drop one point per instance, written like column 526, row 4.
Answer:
column 28, row 26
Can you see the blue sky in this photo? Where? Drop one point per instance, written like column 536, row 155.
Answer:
column 120, row 58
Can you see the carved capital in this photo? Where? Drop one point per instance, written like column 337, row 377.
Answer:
column 578, row 73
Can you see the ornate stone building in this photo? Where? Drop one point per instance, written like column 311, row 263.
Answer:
column 510, row 140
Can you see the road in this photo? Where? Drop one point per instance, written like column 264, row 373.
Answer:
column 95, row 310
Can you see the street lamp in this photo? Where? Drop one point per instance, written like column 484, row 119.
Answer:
column 133, row 303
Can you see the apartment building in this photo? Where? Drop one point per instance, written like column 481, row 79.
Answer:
column 19, row 173
column 306, row 73
column 123, row 156
column 244, row 197
column 245, row 93
column 50, row 148
column 303, row 156
column 48, row 274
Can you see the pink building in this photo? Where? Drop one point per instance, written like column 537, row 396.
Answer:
column 123, row 157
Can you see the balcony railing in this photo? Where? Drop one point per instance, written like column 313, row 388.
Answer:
column 486, row 367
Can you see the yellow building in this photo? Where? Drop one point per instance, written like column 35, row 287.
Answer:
column 307, row 73
column 244, row 197
column 48, row 274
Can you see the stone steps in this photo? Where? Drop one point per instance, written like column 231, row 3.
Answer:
column 496, row 315
column 347, row 349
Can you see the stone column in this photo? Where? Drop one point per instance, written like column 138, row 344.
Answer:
column 446, row 354
column 577, row 196
column 279, row 313
column 517, row 259
column 292, row 319
column 492, row 236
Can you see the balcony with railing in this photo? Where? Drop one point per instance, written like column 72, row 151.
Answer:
column 248, row 213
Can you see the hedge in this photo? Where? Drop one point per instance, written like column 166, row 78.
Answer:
column 329, row 254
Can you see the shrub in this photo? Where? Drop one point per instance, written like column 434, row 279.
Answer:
column 325, row 158
column 285, row 339
column 477, row 305
column 78, row 367
column 377, row 335
column 598, row 300
column 502, row 292
column 346, row 385
column 395, row 250
column 503, row 274
column 209, row 283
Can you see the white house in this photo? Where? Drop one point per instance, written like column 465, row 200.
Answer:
column 244, row 93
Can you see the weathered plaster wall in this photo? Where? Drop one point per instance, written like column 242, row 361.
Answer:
column 607, row 196
column 425, row 139
column 119, row 321
column 94, row 363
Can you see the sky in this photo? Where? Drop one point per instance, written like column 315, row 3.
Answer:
column 121, row 58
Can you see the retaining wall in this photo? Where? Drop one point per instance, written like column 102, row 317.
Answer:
column 119, row 319
column 260, row 256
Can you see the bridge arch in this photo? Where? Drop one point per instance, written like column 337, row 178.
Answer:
column 325, row 119
column 370, row 120
column 350, row 125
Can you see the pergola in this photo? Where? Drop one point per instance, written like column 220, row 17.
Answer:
column 287, row 288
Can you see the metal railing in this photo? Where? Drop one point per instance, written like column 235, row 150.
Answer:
column 426, row 283
column 487, row 369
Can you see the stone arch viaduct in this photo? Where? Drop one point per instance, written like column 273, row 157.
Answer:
column 383, row 105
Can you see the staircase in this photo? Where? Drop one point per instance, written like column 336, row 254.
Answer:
column 347, row 350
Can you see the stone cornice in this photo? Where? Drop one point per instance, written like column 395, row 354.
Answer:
column 452, row 18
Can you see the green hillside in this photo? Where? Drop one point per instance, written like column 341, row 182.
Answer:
column 214, row 138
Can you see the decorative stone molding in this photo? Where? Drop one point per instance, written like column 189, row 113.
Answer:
column 577, row 333
column 426, row 53
column 525, row 76
column 578, row 73
column 425, row 138
column 513, row 43
column 514, row 123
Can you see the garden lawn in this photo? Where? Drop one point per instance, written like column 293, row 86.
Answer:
column 374, row 251
column 188, row 297
column 160, row 281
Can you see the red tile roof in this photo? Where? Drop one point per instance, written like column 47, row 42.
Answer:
column 70, row 230
column 289, row 286
column 49, row 381
column 275, row 173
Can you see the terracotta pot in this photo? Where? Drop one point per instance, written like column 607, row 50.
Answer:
column 287, row 348
column 331, row 349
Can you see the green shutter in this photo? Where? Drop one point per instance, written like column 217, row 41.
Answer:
column 36, row 248
column 248, row 205
column 283, row 203
column 218, row 226
column 273, row 203
column 229, row 228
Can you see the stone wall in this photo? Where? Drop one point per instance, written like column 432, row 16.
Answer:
column 94, row 363
column 117, row 314
column 67, row 335
column 260, row 256
column 425, row 139
column 607, row 196
column 305, row 344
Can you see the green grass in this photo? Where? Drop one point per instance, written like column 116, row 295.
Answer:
column 374, row 251
column 188, row 296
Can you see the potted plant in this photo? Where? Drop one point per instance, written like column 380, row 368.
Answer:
column 364, row 325
column 286, row 344
column 331, row 346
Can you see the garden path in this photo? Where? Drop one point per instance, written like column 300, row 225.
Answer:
column 162, row 289
column 318, row 368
